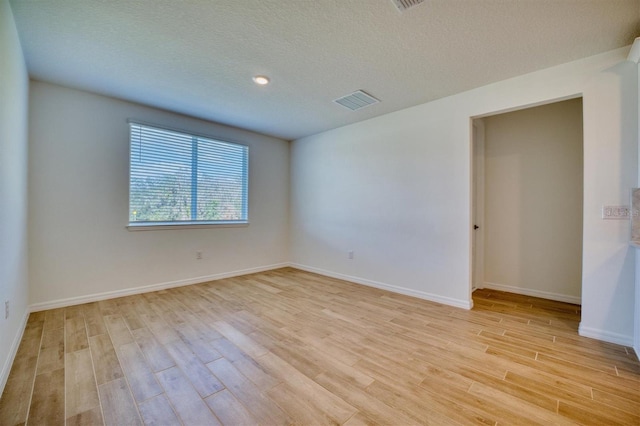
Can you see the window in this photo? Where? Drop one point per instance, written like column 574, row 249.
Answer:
column 177, row 178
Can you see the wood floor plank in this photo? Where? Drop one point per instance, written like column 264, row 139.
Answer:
column 118, row 405
column 189, row 407
column 159, row 327
column 157, row 411
column 203, row 350
column 93, row 319
column 72, row 312
column 118, row 330
column 246, row 392
column 596, row 415
column 292, row 347
column 129, row 314
column 14, row 404
column 51, row 356
column 139, row 303
column 54, row 318
column 444, row 374
column 105, row 361
column 91, row 417
column 154, row 352
column 229, row 410
column 302, row 385
column 513, row 409
column 256, row 373
column 81, row 393
column 360, row 419
column 108, row 307
column 293, row 353
column 300, row 408
column 477, row 402
column 600, row 379
column 239, row 339
column 201, row 329
column 425, row 407
column 376, row 410
column 333, row 349
column 541, row 382
column 576, row 379
column 47, row 403
column 618, row 402
column 197, row 373
column 75, row 334
column 230, row 351
column 473, row 359
column 545, row 348
column 385, row 371
column 598, row 346
column 139, row 375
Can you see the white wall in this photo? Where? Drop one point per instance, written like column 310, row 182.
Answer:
column 636, row 317
column 78, row 171
column 636, row 338
column 14, row 89
column 533, row 201
column 396, row 190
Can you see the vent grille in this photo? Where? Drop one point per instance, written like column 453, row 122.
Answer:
column 356, row 100
column 403, row 5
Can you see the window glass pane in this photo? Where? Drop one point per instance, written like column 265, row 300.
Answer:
column 221, row 181
column 176, row 177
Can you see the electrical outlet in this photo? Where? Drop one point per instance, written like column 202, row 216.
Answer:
column 6, row 309
column 199, row 255
column 350, row 254
column 615, row 212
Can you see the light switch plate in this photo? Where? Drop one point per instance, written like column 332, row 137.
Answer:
column 615, row 212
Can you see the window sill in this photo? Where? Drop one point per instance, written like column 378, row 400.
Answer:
column 166, row 226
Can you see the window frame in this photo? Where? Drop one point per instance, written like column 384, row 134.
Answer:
column 191, row 224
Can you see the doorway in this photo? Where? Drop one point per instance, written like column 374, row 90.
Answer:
column 527, row 203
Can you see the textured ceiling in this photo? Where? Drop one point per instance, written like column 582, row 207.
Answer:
column 197, row 57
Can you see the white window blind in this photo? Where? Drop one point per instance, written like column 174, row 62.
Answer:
column 179, row 178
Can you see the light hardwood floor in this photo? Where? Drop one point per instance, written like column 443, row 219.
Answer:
column 288, row 346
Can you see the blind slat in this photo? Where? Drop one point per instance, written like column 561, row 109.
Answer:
column 167, row 170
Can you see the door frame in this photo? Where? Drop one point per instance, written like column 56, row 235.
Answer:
column 476, row 128
column 477, row 203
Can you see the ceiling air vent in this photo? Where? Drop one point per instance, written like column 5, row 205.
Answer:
column 403, row 5
column 356, row 100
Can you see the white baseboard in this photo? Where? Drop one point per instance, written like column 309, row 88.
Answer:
column 607, row 336
column 458, row 303
column 6, row 368
column 61, row 303
column 534, row 293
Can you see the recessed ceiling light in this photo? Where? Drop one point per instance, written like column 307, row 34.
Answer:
column 262, row 80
